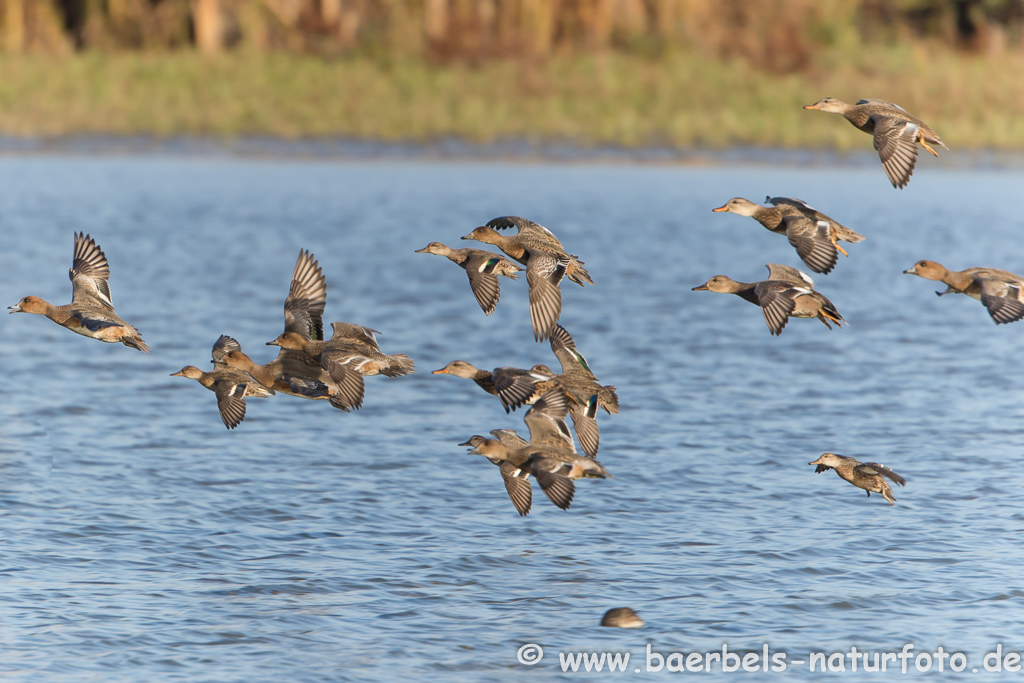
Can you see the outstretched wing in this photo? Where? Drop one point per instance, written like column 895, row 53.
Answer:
column 517, row 484
column 224, row 345
column 896, row 143
column 543, row 274
column 307, row 299
column 355, row 332
column 875, row 468
column 556, row 486
column 564, row 348
column 777, row 301
column 1002, row 299
column 584, row 422
column 230, row 402
column 812, row 242
column 484, row 284
column 89, row 273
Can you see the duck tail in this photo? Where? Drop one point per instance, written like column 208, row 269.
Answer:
column 847, row 235
column 400, row 365
column 608, row 399
column 828, row 312
column 577, row 273
column 135, row 342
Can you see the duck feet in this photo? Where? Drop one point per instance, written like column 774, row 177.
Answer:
column 835, row 243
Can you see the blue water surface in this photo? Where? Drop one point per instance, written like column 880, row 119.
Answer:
column 142, row 541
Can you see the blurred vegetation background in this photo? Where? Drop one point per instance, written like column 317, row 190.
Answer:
column 707, row 73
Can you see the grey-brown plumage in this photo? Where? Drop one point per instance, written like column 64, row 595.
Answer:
column 350, row 354
column 869, row 476
column 91, row 311
column 488, row 380
column 791, row 296
column 230, row 386
column 546, row 261
column 516, row 477
column 307, row 298
column 549, row 455
column 622, row 617
column 1000, row 291
column 895, row 133
column 483, row 269
column 293, row 373
column 582, row 388
column 813, row 234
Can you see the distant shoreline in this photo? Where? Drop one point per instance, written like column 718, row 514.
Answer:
column 454, row 150
column 682, row 108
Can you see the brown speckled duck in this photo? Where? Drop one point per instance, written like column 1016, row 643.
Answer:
column 483, row 269
column 585, row 393
column 813, row 234
column 869, row 476
column 622, row 617
column 787, row 293
column 295, row 372
column 491, row 381
column 231, row 387
column 546, row 261
column 549, row 455
column 1001, row 291
column 896, row 133
column 91, row 311
column 351, row 348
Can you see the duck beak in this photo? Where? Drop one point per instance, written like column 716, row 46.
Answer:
column 178, row 373
column 443, row 371
column 812, row 106
column 424, row 249
column 721, row 208
column 467, row 443
column 468, row 237
column 273, row 343
column 14, row 309
column 701, row 288
column 912, row 270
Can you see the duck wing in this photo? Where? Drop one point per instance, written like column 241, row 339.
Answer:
column 549, row 473
column 564, row 348
column 777, row 271
column 516, row 387
column 307, row 299
column 584, row 422
column 509, row 438
column 89, row 273
column 872, row 468
column 777, row 301
column 517, row 485
column 350, row 331
column 350, row 387
column 484, row 282
column 224, row 345
column 812, row 242
column 798, row 204
column 1002, row 298
column 543, row 275
column 896, row 143
column 230, row 401
column 546, row 420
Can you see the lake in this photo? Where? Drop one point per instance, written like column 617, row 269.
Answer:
column 142, row 541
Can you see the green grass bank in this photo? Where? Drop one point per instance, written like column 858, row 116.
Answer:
column 679, row 100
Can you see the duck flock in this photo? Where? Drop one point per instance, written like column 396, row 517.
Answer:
column 312, row 367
